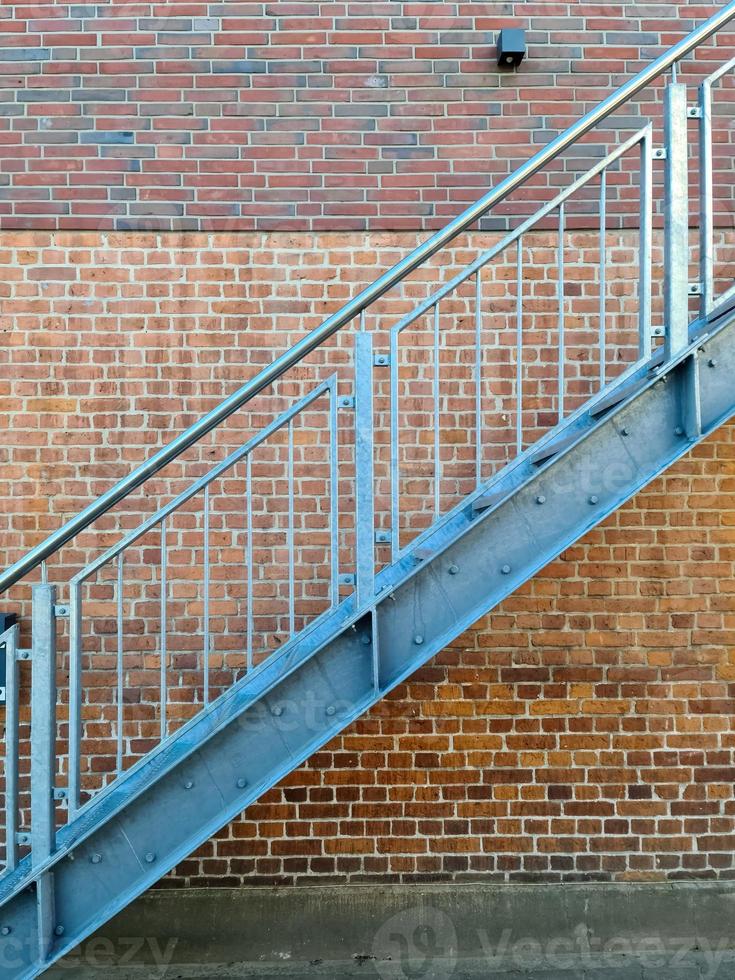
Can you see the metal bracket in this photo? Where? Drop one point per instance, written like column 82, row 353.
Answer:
column 657, row 331
column 383, row 537
column 695, row 289
column 23, row 838
column 659, row 153
column 61, row 612
column 347, row 579
column 694, row 112
column 381, row 360
column 346, row 401
column 60, row 793
column 24, row 655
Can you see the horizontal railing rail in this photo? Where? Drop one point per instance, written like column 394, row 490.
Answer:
column 356, row 306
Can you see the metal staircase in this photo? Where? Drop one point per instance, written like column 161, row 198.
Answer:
column 392, row 588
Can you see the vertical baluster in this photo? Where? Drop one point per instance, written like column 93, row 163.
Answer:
column 290, row 537
column 249, row 559
column 206, row 586
column 706, row 215
column 478, row 379
column 12, row 723
column 395, row 513
column 334, row 495
column 519, row 346
column 437, row 420
column 646, row 257
column 43, row 724
column 603, row 279
column 75, row 696
column 562, row 339
column 120, row 662
column 676, row 222
column 164, row 624
column 364, row 470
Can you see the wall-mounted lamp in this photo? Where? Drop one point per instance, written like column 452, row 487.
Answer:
column 511, row 47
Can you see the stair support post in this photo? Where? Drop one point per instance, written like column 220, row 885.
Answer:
column 43, row 757
column 676, row 221
column 364, row 470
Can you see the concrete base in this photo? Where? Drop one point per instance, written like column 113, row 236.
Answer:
column 421, row 932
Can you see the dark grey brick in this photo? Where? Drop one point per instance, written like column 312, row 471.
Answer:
column 114, row 150
column 634, row 38
column 165, row 23
column 408, row 152
column 206, row 23
column 25, row 54
column 49, row 139
column 109, row 137
column 361, row 109
column 11, row 110
column 239, row 67
column 43, row 95
column 99, row 95
column 161, row 53
column 25, row 193
column 166, row 38
column 158, row 208
column 83, row 10
column 276, row 66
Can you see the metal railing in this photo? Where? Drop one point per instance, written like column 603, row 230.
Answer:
column 553, row 402
column 367, row 297
column 706, row 189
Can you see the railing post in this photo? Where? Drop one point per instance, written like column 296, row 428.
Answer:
column 75, row 697
column 43, row 724
column 364, row 491
column 676, row 222
column 706, row 216
column 11, row 747
column 43, row 758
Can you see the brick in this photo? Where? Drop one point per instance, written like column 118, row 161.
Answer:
column 108, row 137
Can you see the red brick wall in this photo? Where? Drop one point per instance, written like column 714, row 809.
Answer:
column 584, row 728
column 305, row 115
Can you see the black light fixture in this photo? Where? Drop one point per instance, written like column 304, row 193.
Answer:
column 511, row 47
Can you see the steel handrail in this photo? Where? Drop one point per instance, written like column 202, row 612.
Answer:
column 363, row 300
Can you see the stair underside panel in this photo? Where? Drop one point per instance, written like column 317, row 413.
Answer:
column 264, row 729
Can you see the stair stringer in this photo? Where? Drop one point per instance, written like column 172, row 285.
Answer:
column 200, row 779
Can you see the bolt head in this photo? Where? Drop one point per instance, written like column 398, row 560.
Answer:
column 594, row 499
column 678, row 431
column 59, row 931
column 505, row 569
column 712, row 362
column 418, row 639
column 331, row 710
column 278, row 711
column 189, row 784
column 453, row 569
column 366, row 640
column 242, row 783
column 5, row 931
column 96, row 858
column 150, row 857
column 540, row 499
